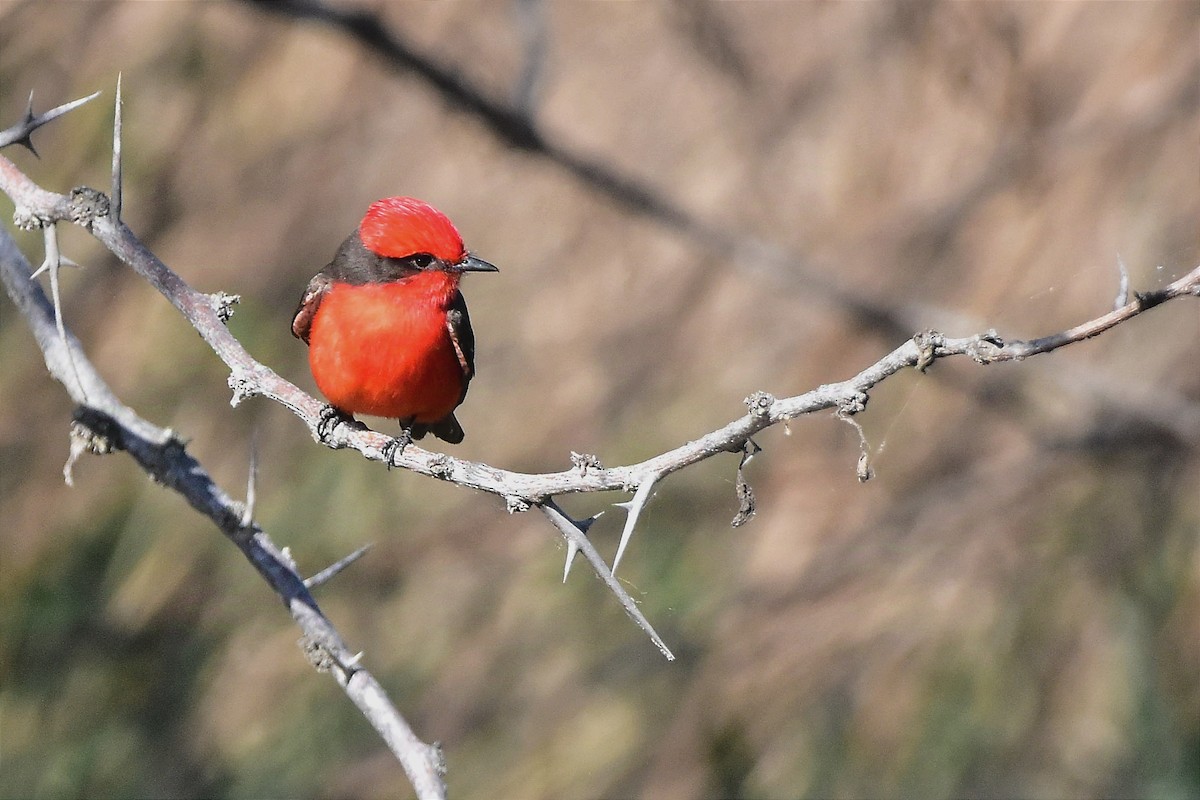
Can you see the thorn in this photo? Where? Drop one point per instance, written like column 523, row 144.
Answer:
column 327, row 574
column 251, row 479
column 286, row 554
column 572, row 551
column 25, row 141
column 1122, row 287
column 635, row 506
column 572, row 546
column 115, row 197
column 53, row 259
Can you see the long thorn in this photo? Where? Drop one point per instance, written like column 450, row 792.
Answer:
column 634, row 506
column 572, row 547
column 251, row 482
column 115, row 200
column 52, row 263
column 333, row 569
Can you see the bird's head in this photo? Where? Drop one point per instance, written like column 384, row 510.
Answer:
column 411, row 229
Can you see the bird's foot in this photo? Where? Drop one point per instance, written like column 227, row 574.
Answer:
column 397, row 445
column 330, row 418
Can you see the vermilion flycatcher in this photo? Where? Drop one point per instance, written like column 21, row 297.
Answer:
column 386, row 326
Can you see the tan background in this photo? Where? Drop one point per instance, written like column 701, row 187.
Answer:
column 1012, row 608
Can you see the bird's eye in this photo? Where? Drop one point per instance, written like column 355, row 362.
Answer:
column 422, row 260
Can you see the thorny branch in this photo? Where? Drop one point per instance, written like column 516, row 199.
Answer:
column 103, row 424
column 513, row 122
column 38, row 208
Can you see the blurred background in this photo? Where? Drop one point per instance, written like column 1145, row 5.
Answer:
column 1011, row 608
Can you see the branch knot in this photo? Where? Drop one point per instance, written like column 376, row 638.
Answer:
column 87, row 206
column 927, row 343
column 516, row 504
column 223, row 304
column 984, row 346
column 30, row 219
column 441, row 466
column 851, row 404
column 585, row 461
column 760, row 404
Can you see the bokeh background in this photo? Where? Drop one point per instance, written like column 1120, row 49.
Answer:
column 1011, row 608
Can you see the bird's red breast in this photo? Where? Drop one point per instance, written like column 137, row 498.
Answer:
column 383, row 348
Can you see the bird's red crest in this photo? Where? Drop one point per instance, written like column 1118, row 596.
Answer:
column 403, row 226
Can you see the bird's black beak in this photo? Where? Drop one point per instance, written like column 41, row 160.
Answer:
column 473, row 264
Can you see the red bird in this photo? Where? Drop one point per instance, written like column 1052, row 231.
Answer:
column 386, row 326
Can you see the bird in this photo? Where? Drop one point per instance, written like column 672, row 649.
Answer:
column 386, row 326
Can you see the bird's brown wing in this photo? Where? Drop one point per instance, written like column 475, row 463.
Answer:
column 458, row 325
column 302, row 322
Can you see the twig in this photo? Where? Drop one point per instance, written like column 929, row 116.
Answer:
column 110, row 425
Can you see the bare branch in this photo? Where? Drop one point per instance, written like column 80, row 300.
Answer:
column 248, row 377
column 36, row 207
column 104, row 424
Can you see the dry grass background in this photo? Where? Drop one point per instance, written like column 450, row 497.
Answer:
column 1012, row 608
